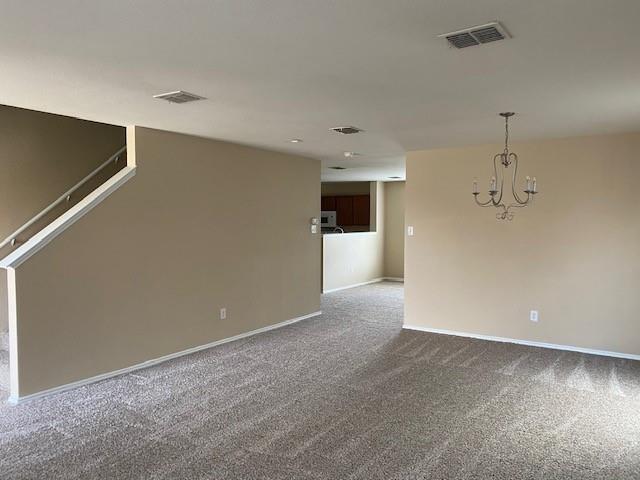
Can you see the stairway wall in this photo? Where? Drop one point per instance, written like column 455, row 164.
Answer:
column 43, row 155
column 203, row 225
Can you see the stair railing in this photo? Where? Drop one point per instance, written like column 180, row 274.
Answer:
column 65, row 197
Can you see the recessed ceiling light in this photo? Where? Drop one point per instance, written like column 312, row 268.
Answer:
column 347, row 130
column 179, row 96
column 395, row 178
column 295, row 140
column 338, row 168
column 351, row 154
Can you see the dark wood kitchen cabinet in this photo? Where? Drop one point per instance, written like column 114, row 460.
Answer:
column 344, row 211
column 351, row 210
column 361, row 210
column 328, row 204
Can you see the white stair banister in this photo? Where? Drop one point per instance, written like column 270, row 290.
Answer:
column 66, row 196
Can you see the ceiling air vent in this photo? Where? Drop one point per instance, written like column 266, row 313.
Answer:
column 477, row 35
column 179, row 97
column 346, row 130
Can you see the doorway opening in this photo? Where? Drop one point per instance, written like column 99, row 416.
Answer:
column 362, row 226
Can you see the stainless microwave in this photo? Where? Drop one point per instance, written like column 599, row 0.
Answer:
column 328, row 219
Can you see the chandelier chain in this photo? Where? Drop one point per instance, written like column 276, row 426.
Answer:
column 506, row 135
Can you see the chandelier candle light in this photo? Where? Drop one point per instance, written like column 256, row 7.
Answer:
column 495, row 195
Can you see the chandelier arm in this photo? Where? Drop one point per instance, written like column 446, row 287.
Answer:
column 501, row 186
column 495, row 172
column 513, row 182
column 518, row 205
column 483, row 204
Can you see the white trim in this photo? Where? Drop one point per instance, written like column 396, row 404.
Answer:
column 14, row 399
column 570, row 348
column 345, row 234
column 368, row 282
column 12, row 312
column 64, row 221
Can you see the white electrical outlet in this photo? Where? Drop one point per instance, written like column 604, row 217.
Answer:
column 223, row 313
column 410, row 230
column 533, row 315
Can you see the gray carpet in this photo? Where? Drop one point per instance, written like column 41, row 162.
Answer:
column 348, row 395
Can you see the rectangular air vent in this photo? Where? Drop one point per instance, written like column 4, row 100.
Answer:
column 346, row 130
column 477, row 35
column 179, row 97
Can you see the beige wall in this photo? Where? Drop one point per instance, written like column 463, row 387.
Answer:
column 42, row 156
column 394, row 229
column 145, row 273
column 574, row 255
column 345, row 188
column 355, row 258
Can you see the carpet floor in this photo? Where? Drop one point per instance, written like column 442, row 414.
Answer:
column 347, row 395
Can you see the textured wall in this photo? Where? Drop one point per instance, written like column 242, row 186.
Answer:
column 574, row 255
column 394, row 229
column 202, row 225
column 345, row 188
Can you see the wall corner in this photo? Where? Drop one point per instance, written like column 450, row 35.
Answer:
column 131, row 145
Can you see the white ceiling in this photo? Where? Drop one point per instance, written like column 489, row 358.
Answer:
column 279, row 69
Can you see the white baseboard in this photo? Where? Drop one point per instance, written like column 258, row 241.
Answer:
column 528, row 343
column 368, row 282
column 15, row 400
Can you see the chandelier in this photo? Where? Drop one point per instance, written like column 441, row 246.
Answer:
column 506, row 158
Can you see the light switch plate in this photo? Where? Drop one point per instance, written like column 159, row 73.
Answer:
column 410, row 230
